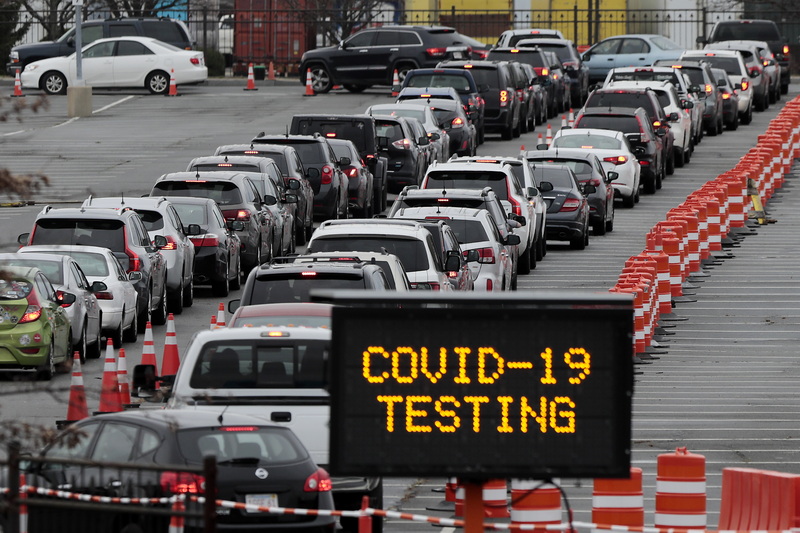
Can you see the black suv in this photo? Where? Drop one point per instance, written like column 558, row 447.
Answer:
column 577, row 72
column 170, row 31
column 371, row 56
column 755, row 30
column 648, row 145
column 700, row 75
column 496, row 85
column 360, row 129
column 535, row 58
column 328, row 182
column 459, row 79
column 121, row 231
column 285, row 280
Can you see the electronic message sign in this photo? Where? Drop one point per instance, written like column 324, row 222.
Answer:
column 482, row 388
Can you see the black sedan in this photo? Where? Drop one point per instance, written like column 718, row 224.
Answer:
column 461, row 130
column 567, row 206
column 257, row 464
column 216, row 246
column 360, row 181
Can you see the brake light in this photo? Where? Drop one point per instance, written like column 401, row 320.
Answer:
column 485, row 255
column 594, row 181
column 238, row 429
column 194, row 61
column 515, row 207
column 331, row 134
column 786, row 49
column 644, row 162
column 402, row 144
column 457, row 123
column 656, row 123
column 617, row 160
column 540, row 71
column 32, row 313
column 443, row 200
column 134, row 263
column 319, row 481
column 745, row 84
column 224, row 164
column 104, row 295
column 327, row 174
column 545, row 72
column 520, row 95
column 480, row 54
column 182, row 483
column 570, row 204
column 60, row 299
column 171, row 244
column 209, row 239
column 436, row 52
column 726, row 96
column 251, row 152
column 708, row 88
column 352, row 172
column 308, row 274
column 503, row 98
column 237, row 214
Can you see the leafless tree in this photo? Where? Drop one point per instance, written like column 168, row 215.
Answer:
column 336, row 20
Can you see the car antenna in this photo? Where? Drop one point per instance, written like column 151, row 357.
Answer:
column 287, row 131
column 219, row 418
column 196, row 173
column 122, row 198
column 226, row 159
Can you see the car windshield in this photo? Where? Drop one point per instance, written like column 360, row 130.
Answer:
column 222, row 192
column 468, row 230
column 192, row 214
column 610, row 122
column 153, row 221
column 459, row 83
column 283, row 320
column 51, row 269
column 104, row 233
column 459, row 179
column 235, row 445
column 411, row 251
column 587, row 142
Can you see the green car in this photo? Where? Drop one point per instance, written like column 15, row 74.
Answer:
column 34, row 328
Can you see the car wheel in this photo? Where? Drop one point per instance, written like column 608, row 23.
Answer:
column 402, row 71
column 687, row 154
column 785, row 89
column 222, row 287
column 507, row 134
column 579, row 242
column 188, row 294
column 130, row 334
column 679, row 157
column 523, row 121
column 159, row 317
column 175, row 299
column 157, row 82
column 748, row 115
column 236, row 281
column 321, row 80
column 97, row 346
column 54, row 82
column 734, row 124
column 660, row 176
column 610, row 222
column 599, row 228
column 629, row 201
column 83, row 346
column 524, row 265
column 117, row 335
column 300, row 234
column 540, row 248
column 355, row 88
column 146, row 314
column 671, row 163
column 48, row 369
column 515, row 132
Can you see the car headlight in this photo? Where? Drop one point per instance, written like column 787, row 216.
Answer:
column 14, row 56
column 31, row 67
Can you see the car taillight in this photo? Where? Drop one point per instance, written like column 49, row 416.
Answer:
column 32, row 313
column 545, row 72
column 104, row 295
column 786, row 49
column 593, row 181
column 616, row 159
column 745, row 84
column 540, row 71
column 456, row 123
column 520, row 95
column 352, row 172
column 515, row 207
column 182, row 483
column 726, row 96
column 503, row 98
column 171, row 244
column 708, row 88
column 402, row 144
column 480, row 54
column 319, row 481
column 656, row 124
column 327, row 174
column 209, row 239
column 485, row 255
column 237, row 214
column 60, row 298
column 755, row 69
column 573, row 64
column 428, row 286
column 134, row 263
column 570, row 204
column 194, row 61
column 436, row 52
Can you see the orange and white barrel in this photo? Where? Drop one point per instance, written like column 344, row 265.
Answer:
column 535, row 503
column 681, row 490
column 619, row 502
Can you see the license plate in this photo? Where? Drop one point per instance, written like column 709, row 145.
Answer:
column 458, row 55
column 261, row 500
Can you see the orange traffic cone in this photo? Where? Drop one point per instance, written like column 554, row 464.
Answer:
column 563, row 121
column 221, row 316
column 213, row 321
column 122, row 378
column 171, row 361
column 271, row 72
column 395, row 84
column 549, row 138
column 17, row 86
column 149, row 348
column 77, row 408
column 109, row 394
column 22, row 503
column 522, row 150
column 251, row 80
column 309, row 86
column 176, row 518
column 173, row 86
column 571, row 119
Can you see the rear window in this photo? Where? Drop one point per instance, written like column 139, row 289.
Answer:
column 284, row 320
column 467, row 230
column 243, row 167
column 444, row 115
column 747, row 31
column 647, row 75
column 278, row 157
column 459, row 83
column 534, row 59
column 153, row 221
column 92, row 264
column 286, row 362
column 609, row 122
column 104, row 233
column 163, row 31
column 559, row 178
column 412, row 252
column 391, row 130
column 730, row 65
column 15, row 289
column 486, row 76
column 51, row 269
column 294, row 287
column 459, row 179
column 663, row 98
column 695, row 75
column 587, row 141
column 582, row 169
column 352, row 131
column 192, row 214
column 240, row 445
column 310, row 153
column 621, row 99
column 222, row 192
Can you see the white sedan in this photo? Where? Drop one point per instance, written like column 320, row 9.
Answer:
column 119, row 62
column 613, row 150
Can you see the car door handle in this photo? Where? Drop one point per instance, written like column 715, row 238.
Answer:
column 281, row 416
column 363, row 51
column 393, row 49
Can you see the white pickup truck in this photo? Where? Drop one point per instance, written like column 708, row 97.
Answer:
column 275, row 373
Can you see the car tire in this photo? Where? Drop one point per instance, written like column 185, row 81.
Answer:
column 599, row 228
column 733, row 125
column 629, row 201
column 785, row 89
column 188, row 293
column 670, row 163
column 175, row 299
column 96, row 349
column 130, row 334
column 402, row 71
column 222, row 287
column 48, row 369
column 116, row 336
column 610, row 225
column 507, row 134
column 523, row 121
column 83, row 346
column 53, row 82
column 524, row 265
column 748, row 115
column 321, row 81
column 649, row 186
column 355, row 88
column 579, row 242
column 300, row 234
column 157, row 82
column 679, row 157
column 160, row 315
column 236, row 281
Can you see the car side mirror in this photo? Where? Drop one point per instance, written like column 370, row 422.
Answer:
column 98, row 286
column 532, row 192
column 312, row 173
column 737, row 86
column 159, row 241
column 686, row 104
column 611, row 176
column 512, row 240
column 135, row 275
column 233, row 305
column 545, row 186
column 543, row 146
column 519, row 218
column 674, row 117
column 294, row 185
column 423, row 141
column 453, row 263
column 588, row 188
column 661, row 132
column 236, row 225
column 270, row 200
column 65, row 298
column 472, row 256
column 586, row 56
column 193, row 229
column 71, row 42
column 721, row 83
column 342, row 45
column 22, row 238
column 754, row 74
column 290, row 199
column 639, row 150
column 434, row 136
column 701, row 40
column 344, row 161
column 695, row 89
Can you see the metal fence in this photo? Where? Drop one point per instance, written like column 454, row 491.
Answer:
column 266, row 35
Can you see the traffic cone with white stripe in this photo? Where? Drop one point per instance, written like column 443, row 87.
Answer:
column 213, row 322
column 173, row 85
column 309, row 85
column 176, row 518
column 522, row 150
column 221, row 316
column 541, row 140
column 22, row 503
column 251, row 80
column 571, row 119
column 109, row 394
column 395, row 84
column 171, row 360
column 17, row 86
column 563, row 121
column 122, row 378
column 149, row 348
column 549, row 138
column 77, row 408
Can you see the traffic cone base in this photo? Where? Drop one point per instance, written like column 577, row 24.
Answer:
column 17, row 86
column 109, row 395
column 173, row 86
column 171, row 360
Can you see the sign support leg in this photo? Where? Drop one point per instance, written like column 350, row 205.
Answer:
column 473, row 507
